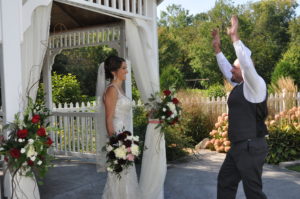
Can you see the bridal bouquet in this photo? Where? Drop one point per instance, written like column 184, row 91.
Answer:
column 164, row 107
column 122, row 150
column 25, row 149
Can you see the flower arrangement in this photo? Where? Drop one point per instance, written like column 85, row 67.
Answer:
column 164, row 107
column 122, row 149
column 25, row 149
column 219, row 136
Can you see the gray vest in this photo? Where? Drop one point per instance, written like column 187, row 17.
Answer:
column 246, row 119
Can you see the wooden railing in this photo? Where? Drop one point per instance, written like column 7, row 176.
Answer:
column 82, row 38
column 137, row 8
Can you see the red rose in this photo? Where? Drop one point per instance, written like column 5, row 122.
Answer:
column 35, row 119
column 30, row 162
column 175, row 100
column 169, row 113
column 6, row 159
column 167, row 92
column 41, row 132
column 49, row 141
column 15, row 153
column 22, row 133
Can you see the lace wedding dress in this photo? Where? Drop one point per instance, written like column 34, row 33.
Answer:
column 127, row 187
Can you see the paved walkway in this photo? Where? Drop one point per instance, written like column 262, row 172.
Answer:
column 194, row 178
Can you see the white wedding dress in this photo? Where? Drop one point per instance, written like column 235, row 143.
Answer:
column 127, row 187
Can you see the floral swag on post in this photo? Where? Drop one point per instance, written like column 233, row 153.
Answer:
column 164, row 107
column 26, row 148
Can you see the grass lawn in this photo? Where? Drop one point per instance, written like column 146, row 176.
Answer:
column 294, row 168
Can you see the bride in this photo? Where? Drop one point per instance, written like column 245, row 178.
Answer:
column 117, row 106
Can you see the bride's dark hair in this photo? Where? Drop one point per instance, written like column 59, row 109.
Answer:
column 112, row 64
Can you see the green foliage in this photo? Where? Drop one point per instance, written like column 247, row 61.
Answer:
column 65, row 88
column 196, row 124
column 289, row 65
column 83, row 63
column 216, row 90
column 171, row 77
column 283, row 146
column 176, row 142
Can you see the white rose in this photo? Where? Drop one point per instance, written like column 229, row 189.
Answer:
column 32, row 158
column 135, row 150
column 109, row 148
column 20, row 140
column 164, row 109
column 109, row 169
column 172, row 106
column 136, row 138
column 39, row 162
column 129, row 137
column 23, row 150
column 121, row 152
column 116, row 161
column 30, row 151
column 1, row 148
column 30, row 141
column 163, row 117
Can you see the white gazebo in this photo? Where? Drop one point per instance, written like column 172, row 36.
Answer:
column 33, row 32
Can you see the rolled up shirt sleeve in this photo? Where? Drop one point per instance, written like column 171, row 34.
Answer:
column 255, row 89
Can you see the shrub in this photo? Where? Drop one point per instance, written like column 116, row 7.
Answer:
column 216, row 90
column 284, row 136
column 196, row 124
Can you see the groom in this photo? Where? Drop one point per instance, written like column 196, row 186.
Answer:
column 247, row 105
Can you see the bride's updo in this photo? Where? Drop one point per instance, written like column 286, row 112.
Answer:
column 112, row 64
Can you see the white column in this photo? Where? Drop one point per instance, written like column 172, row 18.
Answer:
column 11, row 78
column 11, row 55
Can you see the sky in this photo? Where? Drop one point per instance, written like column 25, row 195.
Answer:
column 198, row 6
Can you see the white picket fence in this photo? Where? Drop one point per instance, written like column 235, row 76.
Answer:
column 76, row 122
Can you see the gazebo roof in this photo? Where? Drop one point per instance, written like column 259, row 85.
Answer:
column 65, row 17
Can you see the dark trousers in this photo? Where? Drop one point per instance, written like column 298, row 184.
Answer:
column 244, row 161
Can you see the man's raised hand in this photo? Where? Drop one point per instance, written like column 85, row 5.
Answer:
column 233, row 30
column 216, row 41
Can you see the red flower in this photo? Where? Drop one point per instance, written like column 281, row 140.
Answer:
column 6, row 159
column 41, row 132
column 167, row 92
column 169, row 113
column 15, row 153
column 22, row 133
column 49, row 141
column 35, row 119
column 175, row 100
column 30, row 162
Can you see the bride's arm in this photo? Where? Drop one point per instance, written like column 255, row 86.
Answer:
column 110, row 101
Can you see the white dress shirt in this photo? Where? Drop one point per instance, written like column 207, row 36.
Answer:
column 255, row 89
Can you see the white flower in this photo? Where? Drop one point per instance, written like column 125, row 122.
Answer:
column 39, row 162
column 121, row 152
column 164, row 109
column 172, row 106
column 32, row 158
column 163, row 117
column 116, row 161
column 129, row 137
column 136, row 138
column 23, row 150
column 31, row 151
column 1, row 148
column 135, row 149
column 20, row 140
column 24, row 164
column 109, row 169
column 30, row 141
column 109, row 148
